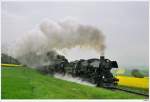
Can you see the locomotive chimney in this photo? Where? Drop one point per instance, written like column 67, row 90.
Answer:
column 102, row 57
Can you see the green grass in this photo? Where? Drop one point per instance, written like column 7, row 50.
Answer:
column 26, row 83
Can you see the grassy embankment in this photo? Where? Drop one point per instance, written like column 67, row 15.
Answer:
column 25, row 83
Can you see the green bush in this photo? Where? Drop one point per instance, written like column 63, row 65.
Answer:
column 137, row 73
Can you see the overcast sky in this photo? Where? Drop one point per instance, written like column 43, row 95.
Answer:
column 125, row 25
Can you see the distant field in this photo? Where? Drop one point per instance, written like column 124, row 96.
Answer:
column 126, row 72
column 10, row 65
column 26, row 83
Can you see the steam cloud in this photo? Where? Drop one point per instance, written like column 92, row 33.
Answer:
column 50, row 36
column 72, row 79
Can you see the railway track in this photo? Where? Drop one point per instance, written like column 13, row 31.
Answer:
column 130, row 91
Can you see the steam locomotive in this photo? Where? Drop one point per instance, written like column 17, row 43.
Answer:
column 95, row 71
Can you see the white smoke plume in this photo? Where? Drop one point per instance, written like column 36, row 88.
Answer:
column 50, row 36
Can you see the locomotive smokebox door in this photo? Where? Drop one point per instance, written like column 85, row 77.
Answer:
column 114, row 64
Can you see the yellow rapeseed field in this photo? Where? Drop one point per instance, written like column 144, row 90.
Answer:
column 134, row 82
column 10, row 65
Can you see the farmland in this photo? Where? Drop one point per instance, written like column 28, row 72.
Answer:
column 25, row 83
column 134, row 82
